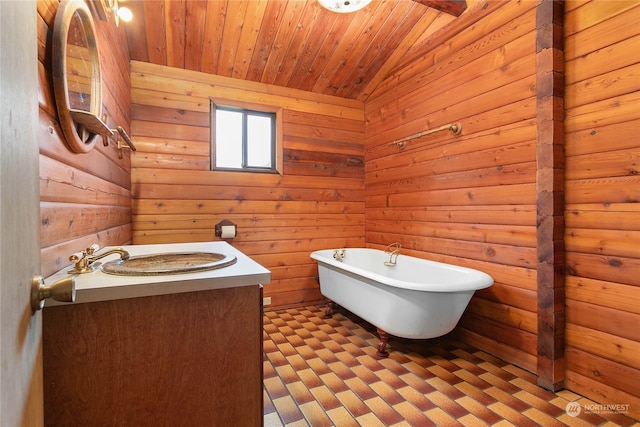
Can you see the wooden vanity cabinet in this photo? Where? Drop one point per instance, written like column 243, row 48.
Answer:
column 186, row 359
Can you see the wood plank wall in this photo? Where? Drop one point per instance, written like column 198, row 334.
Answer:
column 471, row 199
column 317, row 203
column 602, row 236
column 84, row 198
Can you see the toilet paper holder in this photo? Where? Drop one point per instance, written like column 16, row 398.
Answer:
column 222, row 228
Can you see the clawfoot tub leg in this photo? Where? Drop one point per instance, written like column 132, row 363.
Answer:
column 382, row 346
column 328, row 311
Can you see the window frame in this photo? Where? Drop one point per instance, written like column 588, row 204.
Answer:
column 277, row 135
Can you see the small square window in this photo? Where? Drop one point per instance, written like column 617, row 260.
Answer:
column 243, row 139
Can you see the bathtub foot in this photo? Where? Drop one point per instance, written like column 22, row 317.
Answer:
column 382, row 346
column 328, row 311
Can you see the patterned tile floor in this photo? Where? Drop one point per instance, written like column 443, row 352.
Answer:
column 324, row 372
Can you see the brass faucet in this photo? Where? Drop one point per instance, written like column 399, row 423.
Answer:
column 338, row 254
column 392, row 250
column 85, row 259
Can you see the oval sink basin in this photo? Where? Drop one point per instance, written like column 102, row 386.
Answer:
column 169, row 263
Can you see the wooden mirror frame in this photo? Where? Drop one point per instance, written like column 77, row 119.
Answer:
column 80, row 128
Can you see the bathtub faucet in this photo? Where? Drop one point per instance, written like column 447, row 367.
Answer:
column 338, row 254
column 392, row 250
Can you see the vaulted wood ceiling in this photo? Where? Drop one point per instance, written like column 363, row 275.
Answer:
column 296, row 43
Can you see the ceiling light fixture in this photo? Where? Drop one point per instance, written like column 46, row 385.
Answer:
column 343, row 6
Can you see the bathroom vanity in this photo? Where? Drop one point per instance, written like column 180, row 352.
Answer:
column 179, row 349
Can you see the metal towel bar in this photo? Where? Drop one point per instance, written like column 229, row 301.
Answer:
column 455, row 128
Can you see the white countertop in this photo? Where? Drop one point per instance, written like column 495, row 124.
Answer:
column 99, row 286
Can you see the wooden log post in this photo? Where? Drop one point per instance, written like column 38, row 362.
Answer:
column 550, row 193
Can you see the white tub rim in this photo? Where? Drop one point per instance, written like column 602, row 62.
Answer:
column 480, row 281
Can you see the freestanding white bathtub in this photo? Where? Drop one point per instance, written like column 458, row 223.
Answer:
column 415, row 298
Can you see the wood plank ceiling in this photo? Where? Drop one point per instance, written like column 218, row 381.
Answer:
column 296, row 43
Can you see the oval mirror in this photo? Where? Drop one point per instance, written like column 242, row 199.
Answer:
column 76, row 76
